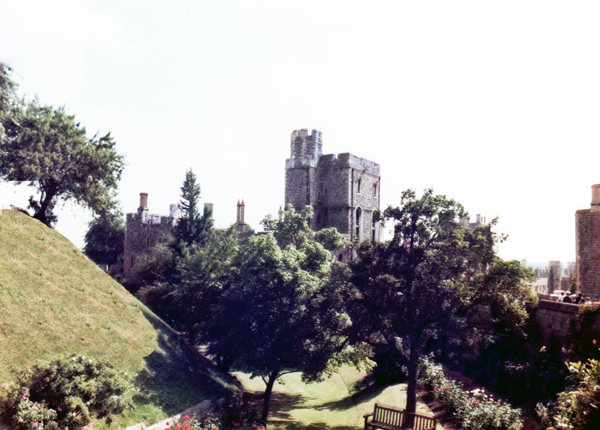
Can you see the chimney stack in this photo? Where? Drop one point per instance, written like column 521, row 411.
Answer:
column 595, row 198
column 143, row 202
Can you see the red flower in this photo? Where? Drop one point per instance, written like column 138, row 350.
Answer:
column 447, row 388
column 186, row 418
column 434, row 388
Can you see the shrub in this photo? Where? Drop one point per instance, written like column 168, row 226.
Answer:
column 578, row 407
column 32, row 415
column 473, row 410
column 67, row 393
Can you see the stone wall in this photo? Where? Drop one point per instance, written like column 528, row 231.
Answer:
column 141, row 236
column 554, row 318
column 587, row 266
column 144, row 231
column 557, row 319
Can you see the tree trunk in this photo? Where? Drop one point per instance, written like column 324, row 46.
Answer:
column 265, row 412
column 45, row 205
column 413, row 370
column 411, row 390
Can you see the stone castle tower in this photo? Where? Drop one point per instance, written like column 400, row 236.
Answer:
column 587, row 237
column 343, row 189
column 144, row 230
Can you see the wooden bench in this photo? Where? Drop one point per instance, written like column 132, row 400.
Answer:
column 393, row 419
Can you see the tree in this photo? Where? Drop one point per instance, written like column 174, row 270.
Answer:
column 47, row 148
column 105, row 240
column 282, row 311
column 202, row 274
column 193, row 227
column 435, row 277
column 8, row 98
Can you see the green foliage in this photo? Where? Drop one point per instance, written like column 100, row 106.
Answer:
column 68, row 393
column 584, row 335
column 193, row 227
column 203, row 273
column 34, row 415
column 473, row 410
column 8, row 99
column 282, row 311
column 48, row 149
column 155, row 267
column 105, row 240
column 435, row 278
column 578, row 408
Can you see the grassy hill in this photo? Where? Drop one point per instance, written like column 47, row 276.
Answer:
column 54, row 302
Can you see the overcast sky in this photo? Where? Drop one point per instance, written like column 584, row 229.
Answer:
column 495, row 104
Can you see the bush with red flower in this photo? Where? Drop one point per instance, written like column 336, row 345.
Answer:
column 471, row 410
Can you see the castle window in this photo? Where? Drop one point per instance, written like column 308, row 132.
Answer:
column 325, row 190
column 147, row 241
column 358, row 221
column 374, row 190
column 358, row 186
column 373, row 238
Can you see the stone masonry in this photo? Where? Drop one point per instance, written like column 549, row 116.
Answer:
column 343, row 189
column 587, row 236
column 144, row 230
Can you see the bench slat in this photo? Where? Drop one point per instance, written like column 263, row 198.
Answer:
column 394, row 419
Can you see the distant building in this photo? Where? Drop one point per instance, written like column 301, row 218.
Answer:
column 343, row 189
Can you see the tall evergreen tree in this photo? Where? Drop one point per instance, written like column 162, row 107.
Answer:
column 194, row 227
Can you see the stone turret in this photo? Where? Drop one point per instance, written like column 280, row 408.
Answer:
column 306, row 149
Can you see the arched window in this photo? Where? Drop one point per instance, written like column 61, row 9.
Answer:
column 358, row 222
column 373, row 228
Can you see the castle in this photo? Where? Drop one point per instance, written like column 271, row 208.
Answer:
column 343, row 189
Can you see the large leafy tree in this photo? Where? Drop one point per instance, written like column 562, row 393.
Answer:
column 105, row 240
column 282, row 311
column 202, row 274
column 194, row 226
column 47, row 148
column 436, row 277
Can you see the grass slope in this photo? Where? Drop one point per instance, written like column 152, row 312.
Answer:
column 55, row 302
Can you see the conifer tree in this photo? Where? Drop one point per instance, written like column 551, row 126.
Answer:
column 193, row 227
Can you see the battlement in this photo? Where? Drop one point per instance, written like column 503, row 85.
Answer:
column 349, row 161
column 303, row 135
column 306, row 149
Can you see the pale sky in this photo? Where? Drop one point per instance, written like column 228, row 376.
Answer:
column 493, row 103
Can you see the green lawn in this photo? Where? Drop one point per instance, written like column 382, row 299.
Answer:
column 336, row 403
